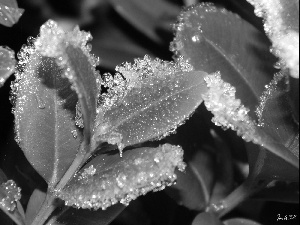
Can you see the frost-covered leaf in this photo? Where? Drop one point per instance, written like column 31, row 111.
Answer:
column 44, row 115
column 154, row 98
column 109, row 178
column 35, row 202
column 229, row 113
column 9, row 12
column 282, row 26
column 239, row 221
column 214, row 39
column 72, row 54
column 72, row 216
column 206, row 219
column 10, row 193
column 147, row 15
column 193, row 187
column 7, row 63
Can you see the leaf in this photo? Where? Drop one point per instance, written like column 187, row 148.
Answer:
column 3, row 177
column 72, row 216
column 44, row 115
column 109, row 179
column 206, row 219
column 35, row 203
column 193, row 187
column 147, row 16
column 282, row 26
column 230, row 113
column 238, row 221
column 213, row 39
column 7, row 64
column 9, row 12
column 72, row 53
column 153, row 99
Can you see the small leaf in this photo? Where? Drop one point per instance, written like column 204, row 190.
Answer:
column 282, row 26
column 154, row 98
column 9, row 12
column 7, row 63
column 239, row 221
column 206, row 219
column 10, row 193
column 109, row 179
column 193, row 187
column 72, row 54
column 147, row 15
column 35, row 202
column 44, row 112
column 213, row 39
column 72, row 216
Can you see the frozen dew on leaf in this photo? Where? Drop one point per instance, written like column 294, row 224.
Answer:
column 282, row 26
column 147, row 100
column 7, row 63
column 9, row 194
column 110, row 179
column 227, row 110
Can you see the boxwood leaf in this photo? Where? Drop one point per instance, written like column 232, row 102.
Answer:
column 108, row 178
column 7, row 63
column 238, row 221
column 35, row 203
column 9, row 12
column 206, row 219
column 147, row 15
column 44, row 115
column 154, row 98
column 213, row 39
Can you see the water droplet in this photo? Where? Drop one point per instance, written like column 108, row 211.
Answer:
column 74, row 133
column 40, row 101
column 196, row 38
column 12, row 194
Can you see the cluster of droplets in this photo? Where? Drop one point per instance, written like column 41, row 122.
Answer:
column 284, row 36
column 7, row 63
column 267, row 94
column 10, row 193
column 147, row 170
column 9, row 15
column 228, row 111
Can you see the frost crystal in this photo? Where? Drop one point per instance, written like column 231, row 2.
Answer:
column 12, row 194
column 283, row 29
column 228, row 111
column 133, row 175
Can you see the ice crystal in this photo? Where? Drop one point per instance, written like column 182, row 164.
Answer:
column 282, row 30
column 101, row 186
column 269, row 90
column 228, row 111
column 10, row 193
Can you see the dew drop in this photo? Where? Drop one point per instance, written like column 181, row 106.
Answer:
column 41, row 103
column 196, row 38
column 74, row 133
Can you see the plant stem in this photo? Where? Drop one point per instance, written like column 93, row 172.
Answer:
column 49, row 204
column 247, row 189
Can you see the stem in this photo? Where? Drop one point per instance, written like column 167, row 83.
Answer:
column 247, row 189
column 49, row 204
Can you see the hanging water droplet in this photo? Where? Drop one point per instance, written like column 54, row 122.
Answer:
column 41, row 103
column 74, row 133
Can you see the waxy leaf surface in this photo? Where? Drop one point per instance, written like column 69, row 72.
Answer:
column 44, row 116
column 213, row 39
column 154, row 99
column 9, row 12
